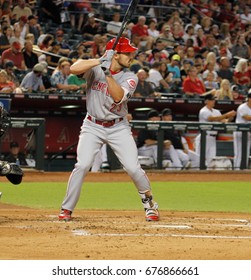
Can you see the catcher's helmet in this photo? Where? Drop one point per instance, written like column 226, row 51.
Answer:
column 123, row 45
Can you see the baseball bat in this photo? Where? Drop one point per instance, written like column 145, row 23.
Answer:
column 128, row 14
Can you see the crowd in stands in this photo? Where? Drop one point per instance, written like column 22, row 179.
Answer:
column 185, row 47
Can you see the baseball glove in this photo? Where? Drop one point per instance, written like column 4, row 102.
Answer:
column 12, row 171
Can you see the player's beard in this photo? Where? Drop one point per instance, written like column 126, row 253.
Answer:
column 125, row 64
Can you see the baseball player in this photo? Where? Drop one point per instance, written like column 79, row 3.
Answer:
column 109, row 86
column 243, row 116
column 209, row 114
column 12, row 171
column 188, row 157
column 147, row 143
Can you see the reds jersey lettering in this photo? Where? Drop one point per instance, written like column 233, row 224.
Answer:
column 99, row 86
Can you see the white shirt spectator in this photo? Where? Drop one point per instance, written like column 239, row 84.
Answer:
column 154, row 77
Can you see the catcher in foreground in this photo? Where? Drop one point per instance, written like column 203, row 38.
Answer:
column 12, row 171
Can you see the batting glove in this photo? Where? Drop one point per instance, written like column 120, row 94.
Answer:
column 107, row 56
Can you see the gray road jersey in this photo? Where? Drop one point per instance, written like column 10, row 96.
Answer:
column 99, row 103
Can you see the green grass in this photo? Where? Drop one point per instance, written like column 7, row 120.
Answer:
column 177, row 196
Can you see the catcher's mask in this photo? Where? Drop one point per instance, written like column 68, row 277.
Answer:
column 4, row 120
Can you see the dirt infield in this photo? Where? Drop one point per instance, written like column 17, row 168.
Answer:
column 115, row 235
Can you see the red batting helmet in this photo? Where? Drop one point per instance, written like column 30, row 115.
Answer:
column 123, row 45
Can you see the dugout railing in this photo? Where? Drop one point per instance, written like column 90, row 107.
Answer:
column 202, row 128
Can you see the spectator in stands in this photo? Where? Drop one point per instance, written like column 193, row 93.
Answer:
column 194, row 23
column 141, row 29
column 186, row 64
column 21, row 9
column 16, row 34
column 242, row 75
column 225, row 71
column 192, row 85
column 22, row 26
column 139, row 62
column 210, row 82
column 166, row 36
column 30, row 37
column 6, row 11
column 46, row 42
column 211, row 61
column 190, row 53
column 152, row 29
column 178, row 32
column 77, row 11
column 30, row 58
column 211, row 44
column 187, row 156
column 48, row 10
column 173, row 67
column 34, row 27
column 237, row 95
column 3, row 23
column 224, row 50
column 53, row 58
column 209, row 114
column 15, row 156
column 206, row 23
column 175, row 17
column 243, row 116
column 9, row 68
column 224, row 92
column 91, row 28
column 5, row 38
column 200, row 38
column 98, row 46
column 156, row 79
column 59, row 78
column 199, row 64
column 111, row 5
column 78, row 80
column 113, row 26
column 156, row 56
column 167, row 76
column 213, row 77
column 147, row 143
column 189, row 34
column 14, row 54
column 64, row 46
column 144, row 88
column 240, row 49
column 79, row 52
column 215, row 31
column 32, row 82
column 225, row 32
column 246, row 15
column 46, row 77
column 6, row 86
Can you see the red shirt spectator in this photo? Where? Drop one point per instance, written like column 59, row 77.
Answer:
column 14, row 54
column 141, row 29
column 192, row 85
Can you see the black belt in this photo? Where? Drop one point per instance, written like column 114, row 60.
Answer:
column 104, row 123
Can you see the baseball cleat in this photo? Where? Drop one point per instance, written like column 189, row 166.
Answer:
column 152, row 214
column 65, row 215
